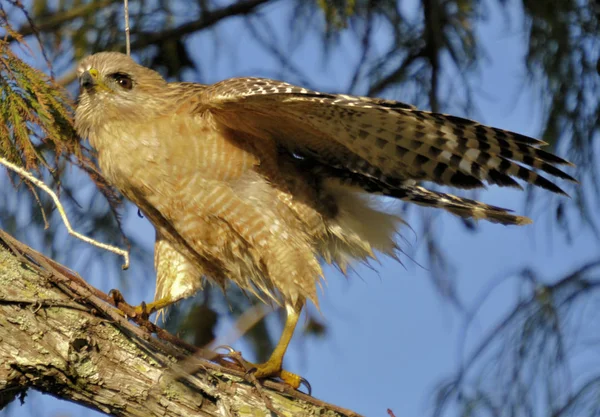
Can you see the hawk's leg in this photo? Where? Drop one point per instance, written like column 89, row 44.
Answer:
column 149, row 308
column 273, row 367
column 176, row 279
column 143, row 310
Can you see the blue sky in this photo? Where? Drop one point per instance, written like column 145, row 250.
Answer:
column 391, row 338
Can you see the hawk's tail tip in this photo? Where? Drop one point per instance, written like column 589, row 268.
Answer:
column 523, row 220
column 491, row 214
column 511, row 220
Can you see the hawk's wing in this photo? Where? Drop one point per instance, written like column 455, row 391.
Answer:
column 381, row 139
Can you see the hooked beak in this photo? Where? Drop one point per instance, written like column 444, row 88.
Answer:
column 89, row 79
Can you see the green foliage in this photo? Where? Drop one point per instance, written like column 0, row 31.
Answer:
column 32, row 107
column 337, row 12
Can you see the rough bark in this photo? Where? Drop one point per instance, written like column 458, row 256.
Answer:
column 59, row 336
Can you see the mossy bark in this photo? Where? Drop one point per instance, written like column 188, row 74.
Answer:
column 59, row 344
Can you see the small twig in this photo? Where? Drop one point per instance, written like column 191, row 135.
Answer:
column 40, row 303
column 127, row 41
column 40, row 184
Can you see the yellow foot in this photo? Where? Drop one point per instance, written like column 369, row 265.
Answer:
column 273, row 370
column 143, row 310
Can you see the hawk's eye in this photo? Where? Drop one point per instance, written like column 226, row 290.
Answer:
column 123, row 80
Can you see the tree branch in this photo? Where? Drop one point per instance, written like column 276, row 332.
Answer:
column 207, row 19
column 55, row 21
column 57, row 335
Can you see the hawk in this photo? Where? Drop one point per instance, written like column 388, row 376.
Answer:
column 256, row 181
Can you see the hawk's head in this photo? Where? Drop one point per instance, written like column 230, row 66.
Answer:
column 113, row 87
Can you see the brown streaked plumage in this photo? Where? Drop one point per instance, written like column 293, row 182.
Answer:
column 255, row 181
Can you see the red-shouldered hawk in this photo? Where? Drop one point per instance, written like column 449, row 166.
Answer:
column 256, row 181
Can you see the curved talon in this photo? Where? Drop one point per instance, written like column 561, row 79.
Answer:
column 304, row 381
column 232, row 356
column 250, row 370
column 116, row 297
column 225, row 347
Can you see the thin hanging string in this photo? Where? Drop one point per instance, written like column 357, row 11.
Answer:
column 127, row 41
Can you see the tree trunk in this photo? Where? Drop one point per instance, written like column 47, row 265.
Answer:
column 59, row 336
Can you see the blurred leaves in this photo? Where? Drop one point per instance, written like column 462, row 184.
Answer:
column 563, row 49
column 172, row 58
column 196, row 324
column 314, row 326
column 529, row 363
